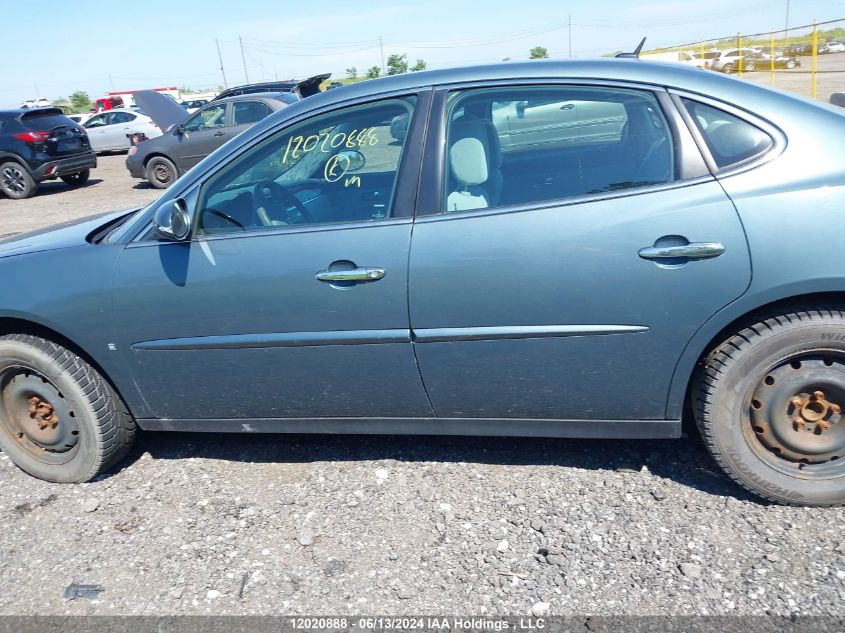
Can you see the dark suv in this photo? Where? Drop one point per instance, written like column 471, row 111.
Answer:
column 41, row 144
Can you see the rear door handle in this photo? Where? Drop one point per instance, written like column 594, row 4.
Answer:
column 696, row 250
column 356, row 274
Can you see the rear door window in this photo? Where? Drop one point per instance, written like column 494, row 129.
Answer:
column 515, row 146
column 249, row 112
column 731, row 140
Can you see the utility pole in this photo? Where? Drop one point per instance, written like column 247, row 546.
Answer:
column 243, row 58
column 111, row 83
column 570, row 35
column 786, row 27
column 220, row 57
column 381, row 47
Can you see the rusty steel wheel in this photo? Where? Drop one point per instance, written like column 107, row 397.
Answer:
column 769, row 403
column 37, row 415
column 796, row 416
column 60, row 420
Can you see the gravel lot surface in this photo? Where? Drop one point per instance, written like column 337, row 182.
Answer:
column 197, row 524
column 200, row 524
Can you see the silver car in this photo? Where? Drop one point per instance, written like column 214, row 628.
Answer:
column 109, row 130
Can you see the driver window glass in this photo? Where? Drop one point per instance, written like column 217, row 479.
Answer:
column 214, row 117
column 515, row 146
column 338, row 167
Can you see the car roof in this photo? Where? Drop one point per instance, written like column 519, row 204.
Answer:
column 251, row 96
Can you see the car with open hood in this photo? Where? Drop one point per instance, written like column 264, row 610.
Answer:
column 190, row 137
column 463, row 273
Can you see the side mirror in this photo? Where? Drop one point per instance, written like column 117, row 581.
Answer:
column 354, row 159
column 172, row 221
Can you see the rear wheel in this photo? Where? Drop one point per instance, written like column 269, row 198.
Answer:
column 161, row 172
column 728, row 68
column 77, row 179
column 769, row 405
column 790, row 64
column 15, row 181
column 59, row 419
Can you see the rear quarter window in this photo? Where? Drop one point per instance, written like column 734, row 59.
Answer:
column 731, row 140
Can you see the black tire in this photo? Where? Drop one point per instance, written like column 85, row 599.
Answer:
column 728, row 68
column 78, row 179
column 15, row 181
column 757, row 404
column 161, row 172
column 790, row 64
column 60, row 420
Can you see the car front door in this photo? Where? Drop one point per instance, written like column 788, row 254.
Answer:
column 201, row 134
column 97, row 128
column 546, row 290
column 290, row 299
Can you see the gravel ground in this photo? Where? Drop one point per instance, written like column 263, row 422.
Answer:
column 196, row 524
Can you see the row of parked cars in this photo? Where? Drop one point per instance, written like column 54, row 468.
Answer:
column 163, row 138
column 748, row 59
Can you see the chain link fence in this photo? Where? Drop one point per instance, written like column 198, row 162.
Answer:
column 807, row 59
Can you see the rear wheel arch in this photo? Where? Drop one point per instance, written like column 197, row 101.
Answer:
column 726, row 323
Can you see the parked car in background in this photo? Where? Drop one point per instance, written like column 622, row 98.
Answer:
column 109, row 131
column 704, row 58
column 763, row 61
column 194, row 105
column 189, row 138
column 677, row 57
column 798, row 50
column 302, row 89
column 79, row 117
column 832, row 47
column 729, row 60
column 41, row 144
column 318, row 275
column 41, row 102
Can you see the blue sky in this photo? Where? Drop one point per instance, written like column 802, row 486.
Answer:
column 97, row 46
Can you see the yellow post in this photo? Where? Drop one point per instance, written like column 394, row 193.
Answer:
column 813, row 90
column 703, row 61
column 739, row 51
column 772, row 58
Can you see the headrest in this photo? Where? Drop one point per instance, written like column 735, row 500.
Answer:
column 468, row 161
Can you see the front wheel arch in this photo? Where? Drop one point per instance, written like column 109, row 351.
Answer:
column 15, row 325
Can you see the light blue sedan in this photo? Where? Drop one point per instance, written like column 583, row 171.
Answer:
column 556, row 249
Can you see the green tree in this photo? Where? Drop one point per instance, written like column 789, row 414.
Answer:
column 420, row 65
column 352, row 73
column 373, row 72
column 397, row 64
column 80, row 101
column 539, row 52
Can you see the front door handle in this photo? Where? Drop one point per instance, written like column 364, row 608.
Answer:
column 220, row 134
column 696, row 250
column 356, row 274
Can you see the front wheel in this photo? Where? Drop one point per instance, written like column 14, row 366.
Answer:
column 769, row 401
column 78, row 179
column 728, row 69
column 60, row 420
column 161, row 172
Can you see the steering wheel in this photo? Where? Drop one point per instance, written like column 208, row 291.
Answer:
column 269, row 193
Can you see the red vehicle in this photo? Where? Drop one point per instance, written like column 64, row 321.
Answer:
column 108, row 103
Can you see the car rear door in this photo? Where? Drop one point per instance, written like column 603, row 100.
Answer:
column 571, row 296
column 279, row 309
